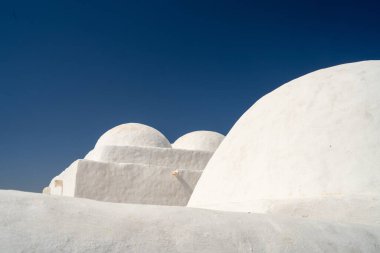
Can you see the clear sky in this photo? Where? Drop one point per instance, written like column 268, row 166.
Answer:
column 70, row 70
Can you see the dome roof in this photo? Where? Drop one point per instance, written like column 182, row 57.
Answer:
column 199, row 140
column 317, row 136
column 133, row 134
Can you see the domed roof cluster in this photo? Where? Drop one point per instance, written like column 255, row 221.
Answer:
column 139, row 135
column 310, row 149
column 135, row 163
column 199, row 140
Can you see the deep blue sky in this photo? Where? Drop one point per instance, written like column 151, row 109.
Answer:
column 70, row 70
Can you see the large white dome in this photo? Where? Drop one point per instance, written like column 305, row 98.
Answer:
column 199, row 140
column 317, row 137
column 133, row 134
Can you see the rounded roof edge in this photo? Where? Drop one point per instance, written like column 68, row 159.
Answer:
column 199, row 140
column 133, row 134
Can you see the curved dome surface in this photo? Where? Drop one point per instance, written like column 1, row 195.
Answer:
column 317, row 136
column 199, row 140
column 133, row 134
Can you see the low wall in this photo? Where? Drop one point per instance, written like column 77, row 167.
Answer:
column 134, row 183
column 36, row 223
column 180, row 158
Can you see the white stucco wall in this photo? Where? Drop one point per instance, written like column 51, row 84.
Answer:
column 134, row 183
column 40, row 223
column 183, row 159
column 64, row 184
column 133, row 174
column 314, row 138
column 126, row 182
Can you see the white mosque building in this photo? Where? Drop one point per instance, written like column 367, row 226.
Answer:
column 298, row 172
column 135, row 163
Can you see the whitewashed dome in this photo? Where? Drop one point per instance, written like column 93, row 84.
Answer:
column 199, row 140
column 316, row 137
column 133, row 134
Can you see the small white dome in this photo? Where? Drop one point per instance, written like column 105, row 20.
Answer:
column 133, row 134
column 199, row 140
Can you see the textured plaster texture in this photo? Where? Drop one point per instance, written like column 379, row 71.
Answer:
column 176, row 158
column 134, row 175
column 41, row 223
column 132, row 183
column 199, row 140
column 312, row 145
column 133, row 134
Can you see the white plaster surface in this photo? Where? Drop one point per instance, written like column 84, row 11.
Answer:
column 199, row 140
column 134, row 134
column 179, row 159
column 32, row 222
column 64, row 184
column 144, row 173
column 298, row 172
column 133, row 183
column 314, row 139
column 133, row 175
